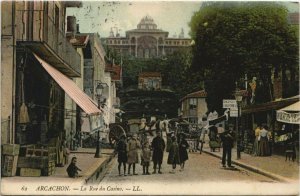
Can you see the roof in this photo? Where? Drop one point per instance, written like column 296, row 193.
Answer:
column 115, row 71
column 78, row 40
column 292, row 108
column 273, row 105
column 293, row 18
column 150, row 74
column 197, row 94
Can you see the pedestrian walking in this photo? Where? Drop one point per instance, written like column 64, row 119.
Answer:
column 132, row 149
column 146, row 156
column 201, row 138
column 158, row 147
column 72, row 169
column 122, row 154
column 173, row 158
column 183, row 154
column 256, row 141
column 213, row 142
column 264, row 149
column 227, row 138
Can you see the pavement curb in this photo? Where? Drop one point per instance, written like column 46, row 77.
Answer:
column 98, row 174
column 254, row 169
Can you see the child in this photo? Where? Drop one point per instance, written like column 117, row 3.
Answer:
column 146, row 155
column 73, row 169
column 173, row 157
column 122, row 154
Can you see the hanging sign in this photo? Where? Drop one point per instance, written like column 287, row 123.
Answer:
column 291, row 118
column 233, row 113
column 229, row 103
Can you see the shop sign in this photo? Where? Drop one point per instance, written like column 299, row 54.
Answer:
column 233, row 113
column 291, row 118
column 229, row 103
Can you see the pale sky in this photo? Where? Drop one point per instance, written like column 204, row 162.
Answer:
column 171, row 16
column 96, row 16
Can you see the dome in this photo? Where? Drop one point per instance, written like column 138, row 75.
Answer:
column 147, row 22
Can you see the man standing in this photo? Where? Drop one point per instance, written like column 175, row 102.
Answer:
column 227, row 138
column 158, row 146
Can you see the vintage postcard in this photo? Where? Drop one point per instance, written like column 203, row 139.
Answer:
column 150, row 98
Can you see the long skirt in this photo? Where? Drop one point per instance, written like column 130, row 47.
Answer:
column 264, row 149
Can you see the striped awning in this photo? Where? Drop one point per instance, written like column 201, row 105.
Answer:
column 74, row 92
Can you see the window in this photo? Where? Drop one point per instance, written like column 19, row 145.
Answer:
column 193, row 104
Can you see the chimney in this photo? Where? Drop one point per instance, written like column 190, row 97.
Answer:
column 71, row 24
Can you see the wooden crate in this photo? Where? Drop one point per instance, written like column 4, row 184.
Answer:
column 33, row 162
column 10, row 149
column 9, row 165
column 48, row 171
column 30, row 172
column 23, row 149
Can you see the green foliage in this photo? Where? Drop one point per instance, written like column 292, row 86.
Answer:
column 234, row 38
column 172, row 67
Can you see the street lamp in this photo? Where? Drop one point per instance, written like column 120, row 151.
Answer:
column 99, row 91
column 238, row 97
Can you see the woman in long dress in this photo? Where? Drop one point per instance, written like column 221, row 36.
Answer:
column 255, row 151
column 183, row 154
column 173, row 158
column 264, row 149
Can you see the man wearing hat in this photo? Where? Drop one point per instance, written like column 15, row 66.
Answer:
column 227, row 138
column 158, row 147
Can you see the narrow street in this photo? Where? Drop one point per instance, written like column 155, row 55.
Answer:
column 199, row 168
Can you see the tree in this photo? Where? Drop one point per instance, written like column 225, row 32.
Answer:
column 234, row 38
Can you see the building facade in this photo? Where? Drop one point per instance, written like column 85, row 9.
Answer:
column 194, row 107
column 146, row 41
column 42, row 80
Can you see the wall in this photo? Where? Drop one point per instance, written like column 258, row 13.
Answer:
column 202, row 108
column 7, row 72
column 70, row 116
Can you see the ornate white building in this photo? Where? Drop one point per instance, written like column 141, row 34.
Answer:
column 147, row 41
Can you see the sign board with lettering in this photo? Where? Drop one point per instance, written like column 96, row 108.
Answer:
column 229, row 103
column 291, row 118
column 233, row 113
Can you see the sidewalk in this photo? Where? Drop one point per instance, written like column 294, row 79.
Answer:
column 85, row 161
column 273, row 166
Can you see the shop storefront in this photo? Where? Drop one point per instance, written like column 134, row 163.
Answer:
column 40, row 114
column 287, row 138
column 266, row 114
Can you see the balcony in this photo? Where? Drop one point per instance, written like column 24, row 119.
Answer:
column 43, row 37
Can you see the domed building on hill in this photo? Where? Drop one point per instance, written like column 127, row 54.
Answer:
column 147, row 41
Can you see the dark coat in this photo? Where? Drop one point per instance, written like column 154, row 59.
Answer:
column 158, row 146
column 72, row 170
column 227, row 139
column 122, row 151
column 183, row 146
column 173, row 157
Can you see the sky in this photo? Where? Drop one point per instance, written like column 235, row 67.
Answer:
column 101, row 16
column 96, row 16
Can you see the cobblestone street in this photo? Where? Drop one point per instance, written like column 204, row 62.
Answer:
column 199, row 168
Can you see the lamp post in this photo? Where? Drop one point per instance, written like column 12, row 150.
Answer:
column 99, row 90
column 238, row 97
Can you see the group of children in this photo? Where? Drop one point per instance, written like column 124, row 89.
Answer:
column 177, row 154
column 128, row 153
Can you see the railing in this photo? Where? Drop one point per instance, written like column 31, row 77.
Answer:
column 44, row 30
